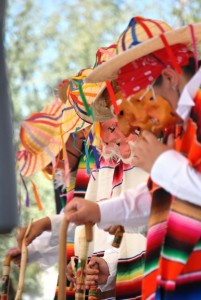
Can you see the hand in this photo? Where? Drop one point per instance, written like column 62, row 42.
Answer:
column 112, row 229
column 15, row 252
column 84, row 211
column 37, row 228
column 70, row 273
column 148, row 148
column 97, row 272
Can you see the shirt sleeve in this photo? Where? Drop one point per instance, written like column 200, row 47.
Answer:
column 55, row 225
column 40, row 251
column 111, row 257
column 131, row 209
column 174, row 173
column 44, row 249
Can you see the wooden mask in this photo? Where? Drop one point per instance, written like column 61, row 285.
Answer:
column 144, row 110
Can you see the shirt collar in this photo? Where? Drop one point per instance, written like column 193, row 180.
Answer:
column 186, row 101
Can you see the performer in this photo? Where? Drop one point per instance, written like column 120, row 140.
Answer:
column 171, row 205
column 115, row 175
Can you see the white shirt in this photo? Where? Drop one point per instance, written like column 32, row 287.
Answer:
column 173, row 172
column 44, row 249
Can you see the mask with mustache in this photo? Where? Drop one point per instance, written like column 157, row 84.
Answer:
column 114, row 144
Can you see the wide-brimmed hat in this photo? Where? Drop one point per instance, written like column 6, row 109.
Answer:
column 44, row 134
column 81, row 95
column 142, row 37
column 101, row 112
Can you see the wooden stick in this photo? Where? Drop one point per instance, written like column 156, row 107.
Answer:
column 72, row 261
column 23, row 264
column 82, row 261
column 62, row 255
column 62, row 259
column 118, row 236
column 89, row 232
column 5, row 278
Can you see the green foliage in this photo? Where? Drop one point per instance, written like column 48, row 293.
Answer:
column 186, row 11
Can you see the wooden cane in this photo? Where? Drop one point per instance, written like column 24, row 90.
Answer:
column 118, row 236
column 62, row 255
column 23, row 264
column 5, row 278
column 62, row 259
column 85, row 236
column 81, row 265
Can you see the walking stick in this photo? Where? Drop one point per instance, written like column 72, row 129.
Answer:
column 23, row 264
column 118, row 236
column 5, row 278
column 80, row 292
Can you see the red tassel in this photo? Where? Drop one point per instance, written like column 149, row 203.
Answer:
column 40, row 207
column 112, row 97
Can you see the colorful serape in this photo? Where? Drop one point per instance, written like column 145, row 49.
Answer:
column 115, row 177
column 129, row 277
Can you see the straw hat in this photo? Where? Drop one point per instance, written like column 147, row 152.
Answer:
column 142, row 37
column 81, row 95
column 104, row 54
column 100, row 109
column 93, row 92
column 43, row 134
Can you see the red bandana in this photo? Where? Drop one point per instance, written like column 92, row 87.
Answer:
column 142, row 72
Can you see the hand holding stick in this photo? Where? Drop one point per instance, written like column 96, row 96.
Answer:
column 62, row 254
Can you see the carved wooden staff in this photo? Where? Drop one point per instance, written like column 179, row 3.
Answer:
column 5, row 278
column 23, row 264
column 62, row 258
column 81, row 266
column 118, row 236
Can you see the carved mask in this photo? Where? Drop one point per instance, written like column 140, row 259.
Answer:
column 144, row 110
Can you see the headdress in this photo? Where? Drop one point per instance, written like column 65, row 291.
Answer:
column 81, row 95
column 143, row 37
column 44, row 134
column 99, row 106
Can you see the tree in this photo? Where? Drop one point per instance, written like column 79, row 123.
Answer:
column 186, row 11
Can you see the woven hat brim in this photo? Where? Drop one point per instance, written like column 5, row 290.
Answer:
column 109, row 69
column 92, row 92
column 30, row 163
column 37, row 162
column 101, row 112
